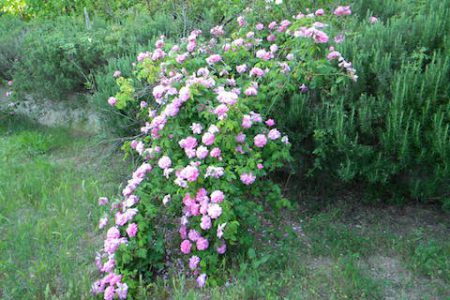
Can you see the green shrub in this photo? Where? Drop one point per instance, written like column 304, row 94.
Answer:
column 12, row 31
column 390, row 130
column 62, row 55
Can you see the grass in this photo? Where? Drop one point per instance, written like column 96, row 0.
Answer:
column 50, row 180
column 48, row 191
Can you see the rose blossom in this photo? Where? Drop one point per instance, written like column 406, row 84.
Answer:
column 270, row 122
column 196, row 128
column 112, row 101
column 240, row 138
column 132, row 229
column 241, row 21
column 202, row 152
column 164, row 162
column 193, row 235
column 217, row 196
column 215, row 58
column 260, row 140
column 102, row 201
column 208, row 138
column 320, row 12
column 241, row 68
column 214, row 211
column 217, row 31
column 122, row 290
column 256, row 72
column 188, row 143
column 201, row 280
column 248, row 178
column 205, row 223
column 228, row 98
column 202, row 244
column 221, row 111
column 193, row 262
column 215, row 152
column 251, row 91
column 274, row 134
column 109, row 293
column 183, row 232
column 246, row 122
column 222, row 248
column 102, row 223
column 220, row 229
column 342, row 11
column 190, row 173
column 186, row 246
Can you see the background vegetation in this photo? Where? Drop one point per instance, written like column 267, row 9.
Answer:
column 389, row 130
column 386, row 135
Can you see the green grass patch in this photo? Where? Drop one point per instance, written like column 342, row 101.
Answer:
column 47, row 212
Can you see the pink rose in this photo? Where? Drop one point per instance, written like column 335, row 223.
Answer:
column 241, row 68
column 113, row 233
column 122, row 290
column 186, row 246
column 241, row 21
column 202, row 152
column 183, row 232
column 215, row 58
column 132, row 229
column 193, row 235
column 184, row 94
column 217, row 196
column 214, row 211
column 188, row 143
column 109, row 293
column 215, row 152
column 205, row 223
column 208, row 138
column 248, row 178
column 256, row 72
column 201, row 280
column 260, row 140
column 221, row 111
column 193, row 262
column 190, row 173
column 217, row 31
column 112, row 101
column 222, row 248
column 202, row 244
column 164, row 162
column 102, row 201
column 274, row 134
column 270, row 122
column 240, row 138
column 343, row 11
column 246, row 122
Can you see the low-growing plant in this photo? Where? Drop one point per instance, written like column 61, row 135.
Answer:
column 208, row 136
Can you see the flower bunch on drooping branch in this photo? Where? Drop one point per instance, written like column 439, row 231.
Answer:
column 207, row 136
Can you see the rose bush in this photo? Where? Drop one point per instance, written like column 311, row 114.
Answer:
column 207, row 137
